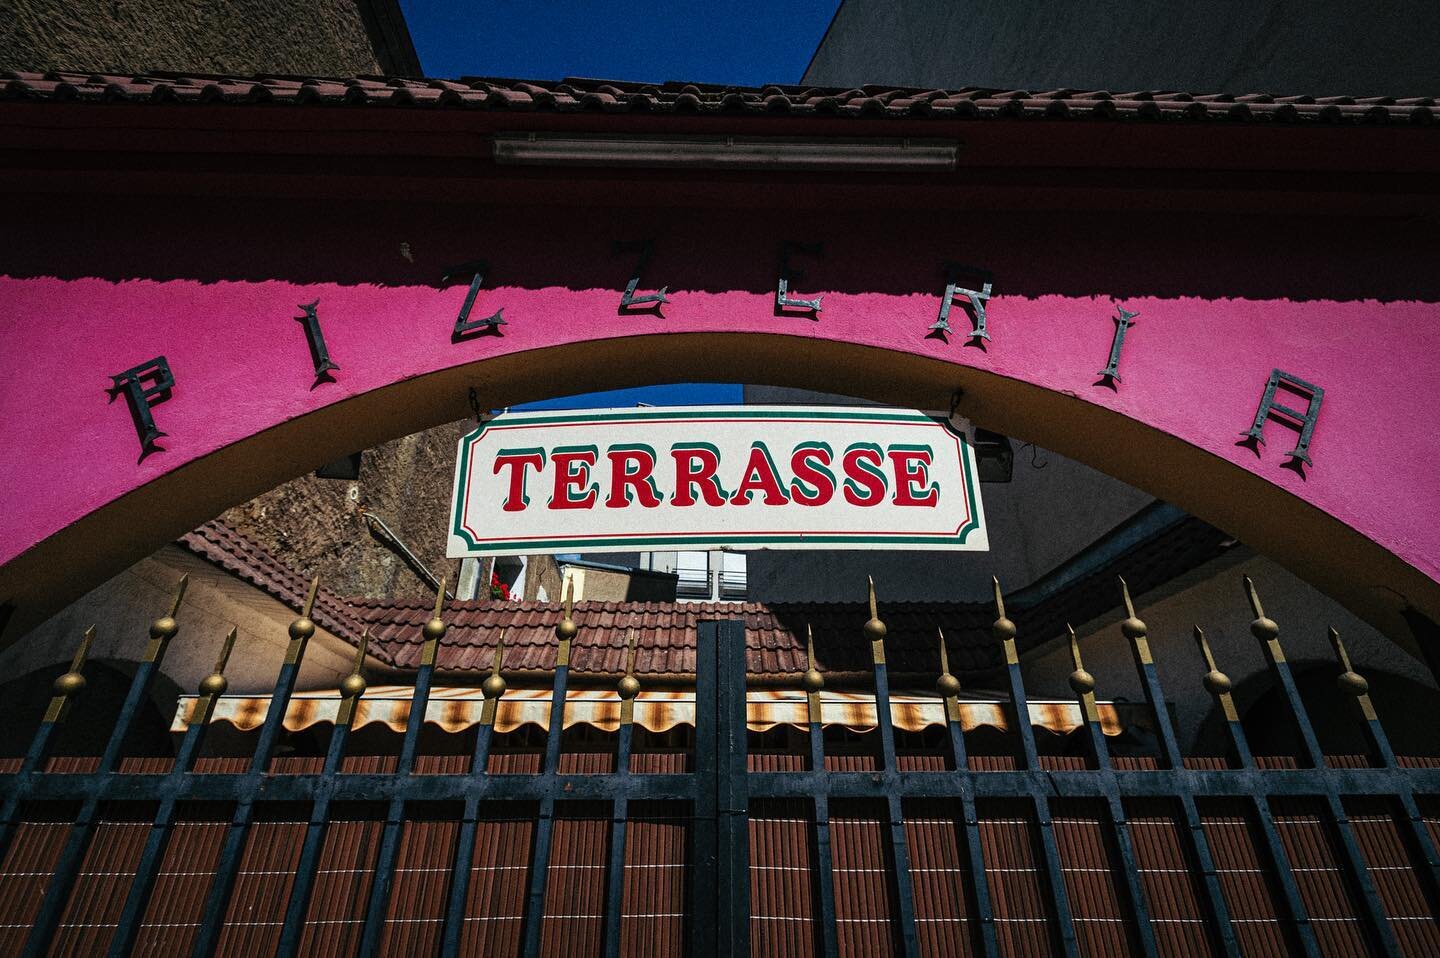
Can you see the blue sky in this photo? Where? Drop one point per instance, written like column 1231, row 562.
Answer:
column 749, row 42
column 745, row 43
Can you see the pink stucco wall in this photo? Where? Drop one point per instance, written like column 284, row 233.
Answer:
column 214, row 288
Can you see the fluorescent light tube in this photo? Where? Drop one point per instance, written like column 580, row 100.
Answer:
column 724, row 152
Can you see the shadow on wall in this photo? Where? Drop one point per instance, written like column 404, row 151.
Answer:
column 93, row 712
column 1271, row 730
column 707, row 250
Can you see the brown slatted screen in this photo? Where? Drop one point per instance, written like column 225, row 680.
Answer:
column 1168, row 875
column 653, row 905
column 586, row 750
column 1393, row 871
column 262, row 883
column 847, row 751
column 781, row 749
column 574, row 922
column 344, row 873
column 1102, row 921
column 415, row 920
column 1315, row 860
column 521, row 752
column 1430, row 812
column 864, row 895
column 782, row 905
column 25, row 874
column 940, row 877
column 1247, row 877
column 499, row 875
column 103, row 880
column 1013, row 867
column 187, row 868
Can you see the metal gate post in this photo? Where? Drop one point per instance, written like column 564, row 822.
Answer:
column 732, row 806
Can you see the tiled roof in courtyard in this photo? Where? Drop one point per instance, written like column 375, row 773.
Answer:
column 665, row 632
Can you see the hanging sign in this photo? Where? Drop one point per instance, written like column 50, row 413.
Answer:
column 715, row 477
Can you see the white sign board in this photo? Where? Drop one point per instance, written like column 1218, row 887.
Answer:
column 714, row 477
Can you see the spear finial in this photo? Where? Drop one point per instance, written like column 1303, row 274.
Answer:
column 1217, row 683
column 947, row 685
column 1263, row 627
column 874, row 628
column 1082, row 683
column 71, row 683
column 565, row 629
column 163, row 629
column 352, row 686
column 179, row 595
column 310, row 598
column 494, row 685
column 1349, row 681
column 213, row 685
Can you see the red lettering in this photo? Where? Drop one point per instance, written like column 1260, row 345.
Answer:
column 819, row 478
column 912, row 470
column 863, row 487
column 518, row 460
column 622, row 479
column 687, row 476
column 572, row 471
column 760, row 474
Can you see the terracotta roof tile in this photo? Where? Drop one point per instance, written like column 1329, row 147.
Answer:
column 666, row 631
column 607, row 96
column 224, row 546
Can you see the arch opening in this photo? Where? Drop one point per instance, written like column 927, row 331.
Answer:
column 1316, row 546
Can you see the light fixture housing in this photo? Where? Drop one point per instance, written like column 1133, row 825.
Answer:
column 725, row 152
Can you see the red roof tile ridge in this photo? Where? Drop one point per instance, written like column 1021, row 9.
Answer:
column 575, row 94
column 222, row 544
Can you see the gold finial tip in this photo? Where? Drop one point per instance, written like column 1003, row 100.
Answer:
column 310, row 597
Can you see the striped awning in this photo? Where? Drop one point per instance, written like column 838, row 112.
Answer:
column 456, row 709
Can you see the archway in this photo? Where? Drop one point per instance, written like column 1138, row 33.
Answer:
column 211, row 286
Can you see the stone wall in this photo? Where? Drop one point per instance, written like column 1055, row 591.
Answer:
column 316, row 526
column 313, row 38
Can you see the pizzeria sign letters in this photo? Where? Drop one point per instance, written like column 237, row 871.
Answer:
column 715, row 477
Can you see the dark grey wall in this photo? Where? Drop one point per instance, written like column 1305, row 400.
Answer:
column 1050, row 510
column 1317, row 47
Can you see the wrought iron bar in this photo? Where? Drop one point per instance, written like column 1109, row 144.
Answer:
column 137, row 899
column 899, row 851
column 813, row 682
column 380, row 885
column 1353, row 685
column 1267, row 632
column 1004, row 631
column 1082, row 683
column 493, row 688
column 351, row 688
column 565, row 631
column 977, row 889
column 66, row 686
column 1222, row 932
column 217, row 902
column 629, row 687
column 62, row 879
column 1218, row 684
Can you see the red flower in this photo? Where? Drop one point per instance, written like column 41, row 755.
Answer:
column 498, row 589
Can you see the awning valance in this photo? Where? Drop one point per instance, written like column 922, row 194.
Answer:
column 456, row 709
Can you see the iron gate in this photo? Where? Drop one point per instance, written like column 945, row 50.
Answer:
column 1392, row 900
